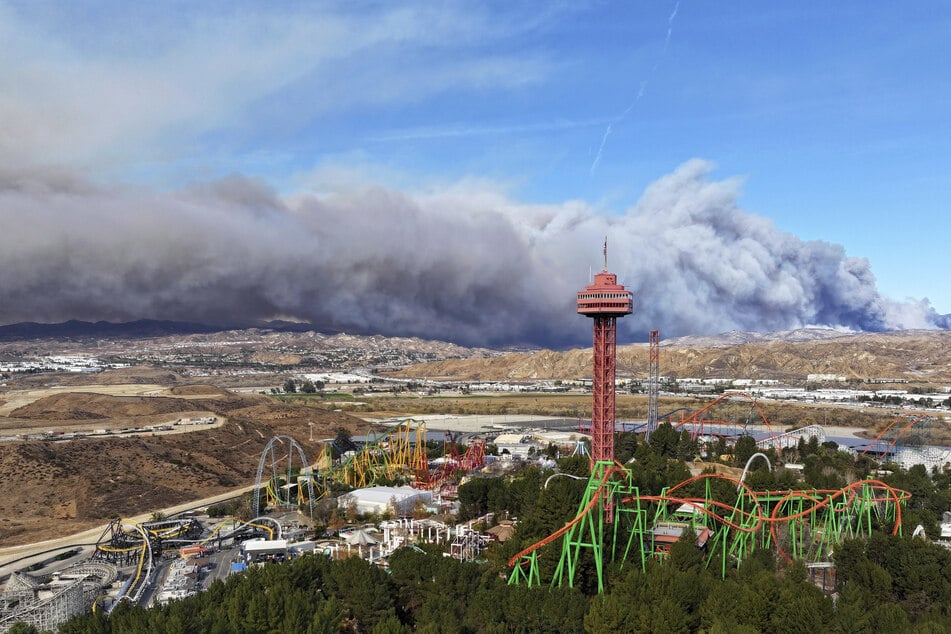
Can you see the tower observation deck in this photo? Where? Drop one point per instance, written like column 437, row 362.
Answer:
column 604, row 301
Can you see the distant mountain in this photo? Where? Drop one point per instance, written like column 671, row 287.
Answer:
column 141, row 329
column 918, row 356
column 284, row 344
column 736, row 337
column 74, row 329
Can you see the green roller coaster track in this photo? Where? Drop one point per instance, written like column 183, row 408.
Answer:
column 798, row 525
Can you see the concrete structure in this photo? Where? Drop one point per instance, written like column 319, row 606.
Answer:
column 604, row 301
column 516, row 444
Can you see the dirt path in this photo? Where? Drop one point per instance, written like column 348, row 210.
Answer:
column 11, row 429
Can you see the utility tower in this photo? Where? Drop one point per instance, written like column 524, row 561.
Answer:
column 604, row 301
column 653, row 381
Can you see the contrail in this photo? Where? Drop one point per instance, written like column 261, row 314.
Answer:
column 604, row 140
column 607, row 131
column 670, row 25
column 640, row 92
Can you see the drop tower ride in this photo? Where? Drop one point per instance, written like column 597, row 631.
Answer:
column 604, row 301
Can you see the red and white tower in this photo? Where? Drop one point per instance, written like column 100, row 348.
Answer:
column 604, row 301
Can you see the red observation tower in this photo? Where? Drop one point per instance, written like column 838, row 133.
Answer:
column 604, row 301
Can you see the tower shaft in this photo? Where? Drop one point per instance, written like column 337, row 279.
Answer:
column 603, row 404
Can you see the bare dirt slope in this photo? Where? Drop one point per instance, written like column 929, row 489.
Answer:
column 918, row 356
column 78, row 405
column 55, row 487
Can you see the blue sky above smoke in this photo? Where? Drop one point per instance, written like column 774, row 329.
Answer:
column 832, row 117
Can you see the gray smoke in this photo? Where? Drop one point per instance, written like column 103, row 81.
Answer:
column 463, row 264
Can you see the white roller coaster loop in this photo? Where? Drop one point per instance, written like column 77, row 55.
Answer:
column 747, row 467
column 292, row 446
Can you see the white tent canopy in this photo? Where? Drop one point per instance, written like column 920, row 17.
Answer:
column 383, row 499
column 360, row 537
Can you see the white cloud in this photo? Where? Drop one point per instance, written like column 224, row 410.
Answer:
column 154, row 93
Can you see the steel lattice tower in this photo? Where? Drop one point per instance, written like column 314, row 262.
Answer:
column 604, row 301
column 653, row 380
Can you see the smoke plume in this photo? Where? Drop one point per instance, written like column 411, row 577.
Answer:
column 463, row 264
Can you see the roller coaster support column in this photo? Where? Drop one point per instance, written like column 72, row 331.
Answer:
column 607, row 484
column 653, row 381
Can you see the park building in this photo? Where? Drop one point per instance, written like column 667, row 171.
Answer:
column 380, row 499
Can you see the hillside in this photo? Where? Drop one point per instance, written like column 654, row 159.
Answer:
column 79, row 406
column 57, row 487
column 918, row 356
column 269, row 349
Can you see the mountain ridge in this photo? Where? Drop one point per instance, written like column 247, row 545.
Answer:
column 919, row 356
column 791, row 356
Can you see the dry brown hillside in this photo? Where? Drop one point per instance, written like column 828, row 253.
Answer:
column 79, row 405
column 920, row 356
column 51, row 488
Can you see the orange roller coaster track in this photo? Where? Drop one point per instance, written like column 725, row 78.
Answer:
column 697, row 420
column 879, row 440
column 798, row 525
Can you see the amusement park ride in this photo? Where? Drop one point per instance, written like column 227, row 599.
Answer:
column 604, row 301
column 126, row 542
column 801, row 525
column 616, row 523
column 397, row 456
column 286, row 480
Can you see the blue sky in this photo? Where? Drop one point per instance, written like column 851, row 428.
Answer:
column 835, row 115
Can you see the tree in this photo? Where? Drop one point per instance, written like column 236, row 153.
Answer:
column 290, row 387
column 611, row 613
column 744, row 449
column 625, row 446
column 684, row 554
column 668, row 618
column 365, row 589
column 664, row 440
column 575, row 465
column 343, row 442
column 687, row 447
